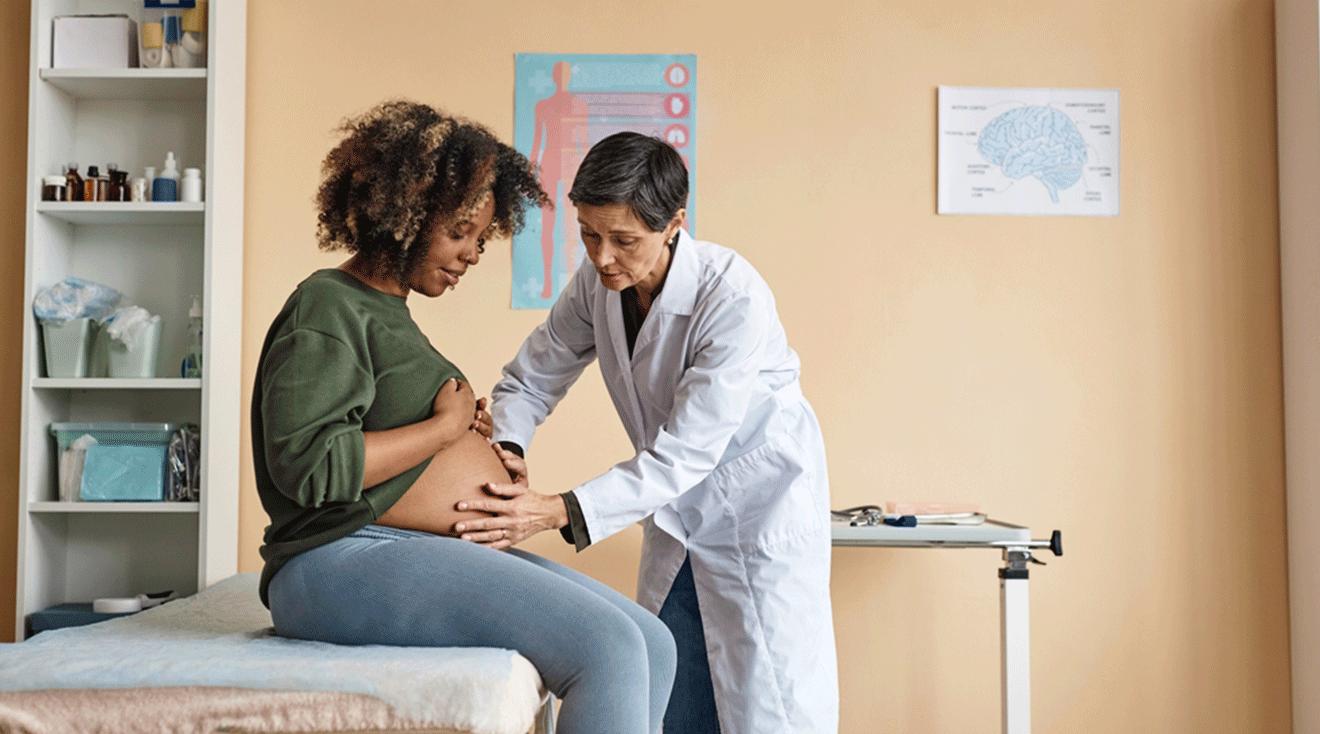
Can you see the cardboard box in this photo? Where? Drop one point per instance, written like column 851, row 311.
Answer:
column 93, row 42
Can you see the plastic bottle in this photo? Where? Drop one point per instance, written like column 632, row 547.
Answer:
column 190, row 188
column 75, row 183
column 192, row 363
column 166, row 185
column 150, row 175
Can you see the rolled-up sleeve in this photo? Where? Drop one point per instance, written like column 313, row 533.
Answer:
column 314, row 393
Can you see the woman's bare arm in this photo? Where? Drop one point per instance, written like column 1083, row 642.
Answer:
column 392, row 452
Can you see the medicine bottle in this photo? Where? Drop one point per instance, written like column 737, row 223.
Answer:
column 190, row 188
column 92, row 185
column 74, row 183
column 117, row 190
column 53, row 188
column 150, row 176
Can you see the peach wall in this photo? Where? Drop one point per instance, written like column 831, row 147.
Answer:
column 1114, row 378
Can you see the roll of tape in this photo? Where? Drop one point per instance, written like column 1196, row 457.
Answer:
column 151, row 57
column 194, row 19
column 153, row 35
column 116, row 606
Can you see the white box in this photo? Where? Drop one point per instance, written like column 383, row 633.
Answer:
column 93, row 42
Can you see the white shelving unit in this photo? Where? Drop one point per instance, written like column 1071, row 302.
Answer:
column 159, row 255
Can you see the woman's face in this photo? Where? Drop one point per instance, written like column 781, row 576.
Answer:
column 625, row 251
column 452, row 250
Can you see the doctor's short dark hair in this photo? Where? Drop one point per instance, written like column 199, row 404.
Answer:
column 403, row 168
column 644, row 173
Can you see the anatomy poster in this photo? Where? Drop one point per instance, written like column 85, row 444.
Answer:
column 1028, row 151
column 564, row 104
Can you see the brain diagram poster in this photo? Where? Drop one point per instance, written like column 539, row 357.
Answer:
column 1028, row 151
column 564, row 104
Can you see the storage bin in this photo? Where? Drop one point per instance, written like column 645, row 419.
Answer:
column 68, row 347
column 93, row 42
column 139, row 361
column 127, row 463
column 70, row 614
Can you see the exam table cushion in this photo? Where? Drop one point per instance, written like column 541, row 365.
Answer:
column 217, row 647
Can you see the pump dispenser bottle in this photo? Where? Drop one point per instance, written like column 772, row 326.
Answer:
column 192, row 363
column 166, row 185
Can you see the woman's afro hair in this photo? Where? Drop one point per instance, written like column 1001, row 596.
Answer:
column 404, row 168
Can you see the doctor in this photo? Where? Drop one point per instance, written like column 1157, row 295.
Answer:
column 729, row 479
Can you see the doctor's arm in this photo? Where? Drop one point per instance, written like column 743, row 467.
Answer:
column 710, row 404
column 549, row 361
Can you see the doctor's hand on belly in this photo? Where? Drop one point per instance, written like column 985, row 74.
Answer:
column 519, row 511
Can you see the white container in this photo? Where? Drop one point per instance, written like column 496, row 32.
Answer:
column 68, row 347
column 93, row 42
column 190, row 188
column 138, row 361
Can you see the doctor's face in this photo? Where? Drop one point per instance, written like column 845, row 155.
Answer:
column 624, row 251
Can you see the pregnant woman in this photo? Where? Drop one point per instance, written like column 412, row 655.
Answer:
column 365, row 437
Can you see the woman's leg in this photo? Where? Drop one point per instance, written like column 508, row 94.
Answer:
column 659, row 642
column 399, row 587
column 692, row 705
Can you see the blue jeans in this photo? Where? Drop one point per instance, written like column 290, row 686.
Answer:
column 610, row 662
column 692, row 704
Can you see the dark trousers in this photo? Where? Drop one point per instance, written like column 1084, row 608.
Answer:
column 692, row 703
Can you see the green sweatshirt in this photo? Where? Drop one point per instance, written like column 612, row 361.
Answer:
column 341, row 358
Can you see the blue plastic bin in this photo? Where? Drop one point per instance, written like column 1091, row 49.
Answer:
column 127, row 464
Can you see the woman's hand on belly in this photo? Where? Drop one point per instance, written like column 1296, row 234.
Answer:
column 456, row 473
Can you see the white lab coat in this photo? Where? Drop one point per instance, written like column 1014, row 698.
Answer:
column 730, row 469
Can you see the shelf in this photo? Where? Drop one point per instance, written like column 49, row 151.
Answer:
column 126, row 212
column 129, row 83
column 117, row 383
column 153, row 507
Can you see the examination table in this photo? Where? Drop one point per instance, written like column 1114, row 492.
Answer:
column 210, row 662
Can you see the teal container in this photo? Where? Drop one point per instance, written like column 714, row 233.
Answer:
column 68, row 346
column 127, row 463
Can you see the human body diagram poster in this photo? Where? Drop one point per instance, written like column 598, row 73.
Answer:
column 564, row 104
column 1028, row 151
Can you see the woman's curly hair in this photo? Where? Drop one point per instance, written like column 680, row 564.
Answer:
column 404, row 168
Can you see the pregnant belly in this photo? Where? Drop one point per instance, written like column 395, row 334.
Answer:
column 457, row 473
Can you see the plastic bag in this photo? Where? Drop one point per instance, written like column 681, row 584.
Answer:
column 75, row 298
column 71, row 468
column 185, row 454
column 128, row 324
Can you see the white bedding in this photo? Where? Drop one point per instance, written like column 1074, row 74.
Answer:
column 222, row 637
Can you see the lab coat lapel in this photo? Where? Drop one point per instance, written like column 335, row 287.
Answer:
column 678, row 297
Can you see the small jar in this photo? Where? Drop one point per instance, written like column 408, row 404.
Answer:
column 190, row 188
column 53, row 188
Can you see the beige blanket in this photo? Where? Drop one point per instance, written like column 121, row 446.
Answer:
column 199, row 710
